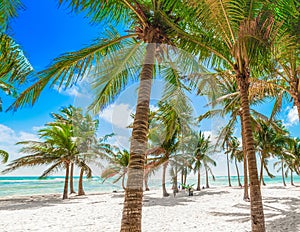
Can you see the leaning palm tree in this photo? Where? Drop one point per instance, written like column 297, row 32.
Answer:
column 57, row 150
column 134, row 53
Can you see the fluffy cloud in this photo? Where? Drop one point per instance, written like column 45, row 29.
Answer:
column 118, row 115
column 9, row 137
column 292, row 116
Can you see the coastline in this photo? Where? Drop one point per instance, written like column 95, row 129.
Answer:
column 211, row 210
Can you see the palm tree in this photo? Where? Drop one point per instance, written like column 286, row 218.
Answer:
column 199, row 155
column 136, row 52
column 57, row 149
column 270, row 140
column 237, row 36
column 206, row 162
column 69, row 115
column 119, row 166
column 236, row 154
column 293, row 157
column 283, row 166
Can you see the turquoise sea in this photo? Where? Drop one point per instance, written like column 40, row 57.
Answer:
column 30, row 185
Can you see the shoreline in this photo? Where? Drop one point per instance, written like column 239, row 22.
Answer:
column 210, row 210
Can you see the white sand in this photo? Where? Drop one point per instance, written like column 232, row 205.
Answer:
column 211, row 210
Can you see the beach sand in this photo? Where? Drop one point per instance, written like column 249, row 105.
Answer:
column 211, row 210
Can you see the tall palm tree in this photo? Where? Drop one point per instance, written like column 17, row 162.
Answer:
column 57, row 149
column 136, row 52
column 237, row 36
column 199, row 155
column 236, row 154
column 207, row 161
column 294, row 157
column 69, row 115
column 270, row 141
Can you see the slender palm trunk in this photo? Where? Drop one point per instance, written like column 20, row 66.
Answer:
column 292, row 180
column 80, row 183
column 282, row 174
column 184, row 177
column 261, row 177
column 237, row 172
column 71, row 179
column 175, row 183
column 228, row 171
column 257, row 212
column 123, row 182
column 146, row 182
column 65, row 195
column 165, row 193
column 246, row 192
column 198, row 184
column 206, row 176
column 132, row 209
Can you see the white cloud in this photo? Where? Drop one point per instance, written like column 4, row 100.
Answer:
column 118, row 115
column 9, row 138
column 293, row 116
column 74, row 91
column 37, row 128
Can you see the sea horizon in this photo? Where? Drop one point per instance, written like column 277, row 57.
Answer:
column 33, row 185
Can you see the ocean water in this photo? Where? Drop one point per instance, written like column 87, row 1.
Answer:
column 28, row 185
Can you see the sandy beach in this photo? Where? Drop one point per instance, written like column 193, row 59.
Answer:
column 214, row 209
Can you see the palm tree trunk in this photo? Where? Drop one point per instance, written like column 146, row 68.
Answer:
column 71, row 179
column 257, row 212
column 80, row 184
column 65, row 195
column 165, row 193
column 184, row 177
column 132, row 209
column 146, row 182
column 206, row 176
column 292, row 181
column 246, row 192
column 198, row 184
column 261, row 178
column 123, row 182
column 228, row 171
column 237, row 172
column 175, row 180
column 282, row 174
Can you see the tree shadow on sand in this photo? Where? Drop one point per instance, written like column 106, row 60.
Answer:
column 30, row 202
column 279, row 220
column 286, row 219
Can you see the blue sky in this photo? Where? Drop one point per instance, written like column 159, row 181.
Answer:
column 46, row 31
